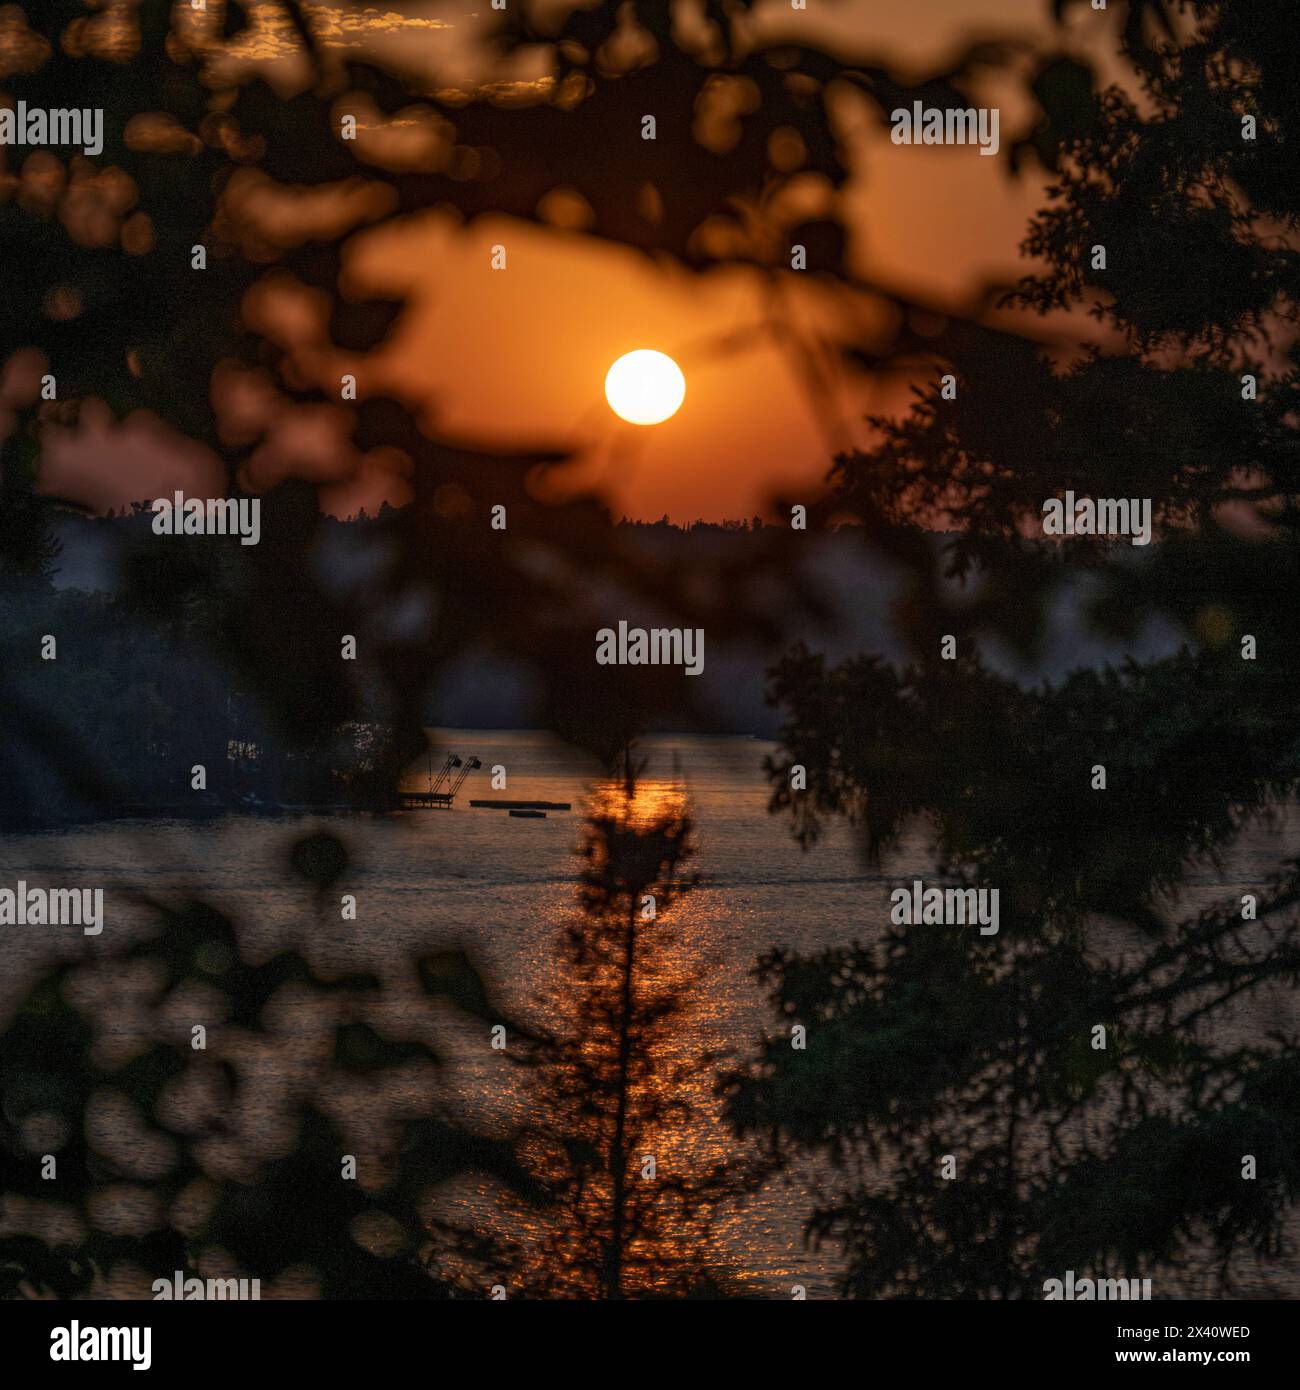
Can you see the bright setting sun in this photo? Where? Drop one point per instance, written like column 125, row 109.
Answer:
column 645, row 387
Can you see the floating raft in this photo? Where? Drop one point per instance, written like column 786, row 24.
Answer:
column 528, row 815
column 525, row 805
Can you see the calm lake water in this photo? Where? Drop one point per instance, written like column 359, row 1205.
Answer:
column 503, row 889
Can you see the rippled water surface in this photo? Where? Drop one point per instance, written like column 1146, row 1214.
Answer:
column 503, row 889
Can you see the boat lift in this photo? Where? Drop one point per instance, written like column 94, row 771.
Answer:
column 443, row 788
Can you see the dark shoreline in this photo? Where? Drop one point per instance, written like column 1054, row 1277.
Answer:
column 31, row 825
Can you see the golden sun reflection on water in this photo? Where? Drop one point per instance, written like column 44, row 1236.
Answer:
column 653, row 800
column 618, row 1114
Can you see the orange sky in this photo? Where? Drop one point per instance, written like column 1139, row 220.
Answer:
column 518, row 357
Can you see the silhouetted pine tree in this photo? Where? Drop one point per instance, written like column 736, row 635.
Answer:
column 1176, row 1147
column 614, row 1086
